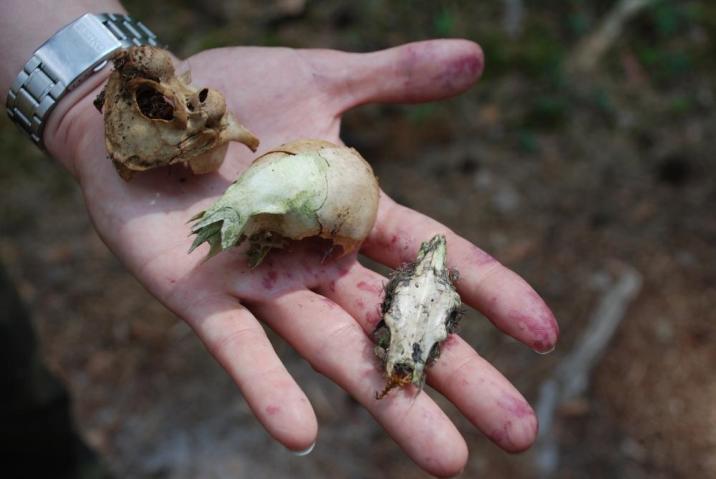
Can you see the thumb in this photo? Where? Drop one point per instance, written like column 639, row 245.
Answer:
column 410, row 73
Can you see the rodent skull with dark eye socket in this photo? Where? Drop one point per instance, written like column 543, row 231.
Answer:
column 154, row 118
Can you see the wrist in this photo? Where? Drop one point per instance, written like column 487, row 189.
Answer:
column 54, row 85
column 27, row 24
column 75, row 123
column 75, row 132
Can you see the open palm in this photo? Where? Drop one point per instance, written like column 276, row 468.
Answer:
column 324, row 309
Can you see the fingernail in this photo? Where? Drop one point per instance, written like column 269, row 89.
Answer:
column 305, row 452
column 545, row 351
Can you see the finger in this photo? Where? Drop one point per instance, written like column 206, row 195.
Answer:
column 336, row 346
column 484, row 395
column 415, row 72
column 238, row 342
column 499, row 293
column 478, row 390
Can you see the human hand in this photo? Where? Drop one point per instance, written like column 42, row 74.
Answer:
column 325, row 310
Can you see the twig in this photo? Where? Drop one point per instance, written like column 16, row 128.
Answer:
column 586, row 55
column 512, row 18
column 571, row 378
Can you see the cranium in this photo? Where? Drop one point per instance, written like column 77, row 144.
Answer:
column 421, row 307
column 154, row 118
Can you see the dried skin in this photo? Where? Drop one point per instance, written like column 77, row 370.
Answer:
column 154, row 118
column 421, row 307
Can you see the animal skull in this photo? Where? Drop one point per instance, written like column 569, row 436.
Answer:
column 154, row 118
column 421, row 307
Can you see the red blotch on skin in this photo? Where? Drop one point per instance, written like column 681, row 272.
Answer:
column 479, row 380
column 480, row 258
column 517, row 407
column 505, row 436
column 465, row 68
column 533, row 322
column 370, row 374
column 543, row 330
column 450, row 342
column 407, row 64
column 370, row 288
column 398, row 243
column 501, row 435
column 372, row 319
column 269, row 280
column 404, row 251
column 493, row 302
column 545, row 314
column 461, row 72
column 272, row 409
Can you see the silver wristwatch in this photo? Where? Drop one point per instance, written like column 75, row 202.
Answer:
column 72, row 54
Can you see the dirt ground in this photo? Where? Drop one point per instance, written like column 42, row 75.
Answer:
column 566, row 181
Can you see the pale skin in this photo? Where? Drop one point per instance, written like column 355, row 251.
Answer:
column 325, row 310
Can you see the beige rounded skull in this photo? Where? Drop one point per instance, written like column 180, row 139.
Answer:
column 154, row 118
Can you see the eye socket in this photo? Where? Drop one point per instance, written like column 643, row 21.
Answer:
column 417, row 353
column 203, row 94
column 453, row 319
column 381, row 335
column 434, row 353
column 153, row 104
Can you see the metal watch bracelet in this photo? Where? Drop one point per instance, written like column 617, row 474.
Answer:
column 72, row 54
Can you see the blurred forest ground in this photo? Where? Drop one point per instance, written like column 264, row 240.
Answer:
column 564, row 180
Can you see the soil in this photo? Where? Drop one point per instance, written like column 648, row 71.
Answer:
column 564, row 181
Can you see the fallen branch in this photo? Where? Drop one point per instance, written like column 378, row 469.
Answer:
column 514, row 13
column 586, row 55
column 571, row 378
